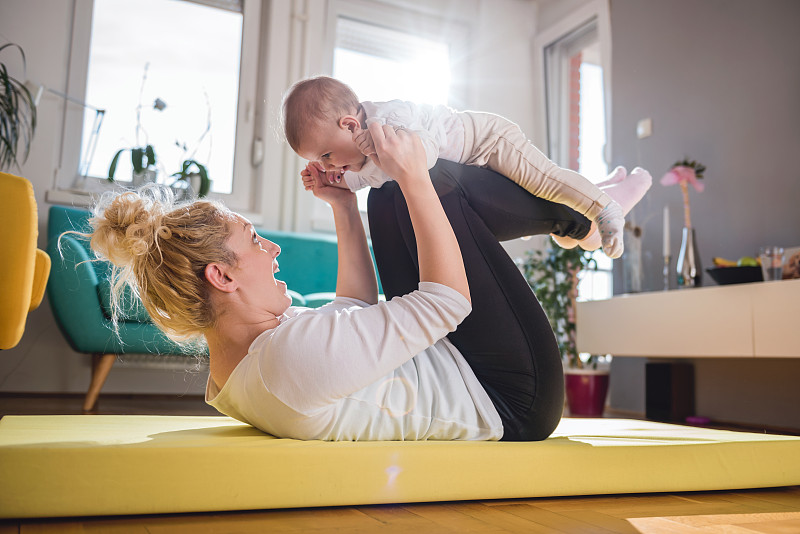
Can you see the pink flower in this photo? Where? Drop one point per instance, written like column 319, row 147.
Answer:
column 682, row 174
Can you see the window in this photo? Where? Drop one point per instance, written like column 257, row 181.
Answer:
column 576, row 129
column 386, row 53
column 382, row 64
column 174, row 74
column 577, row 125
column 177, row 92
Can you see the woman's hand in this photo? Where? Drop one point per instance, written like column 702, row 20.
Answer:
column 316, row 180
column 363, row 141
column 399, row 153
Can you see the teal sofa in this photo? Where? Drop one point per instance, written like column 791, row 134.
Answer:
column 79, row 293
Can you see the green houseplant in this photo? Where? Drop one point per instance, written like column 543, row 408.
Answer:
column 553, row 276
column 143, row 160
column 194, row 176
column 143, row 155
column 17, row 116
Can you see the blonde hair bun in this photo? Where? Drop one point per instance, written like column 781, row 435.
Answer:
column 128, row 226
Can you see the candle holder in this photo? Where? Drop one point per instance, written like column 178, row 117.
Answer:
column 665, row 272
column 690, row 273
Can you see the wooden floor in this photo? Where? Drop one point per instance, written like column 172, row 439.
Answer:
column 749, row 511
column 773, row 510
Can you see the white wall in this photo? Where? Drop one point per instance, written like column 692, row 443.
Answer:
column 500, row 67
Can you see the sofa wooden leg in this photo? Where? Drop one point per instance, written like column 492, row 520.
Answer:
column 101, row 365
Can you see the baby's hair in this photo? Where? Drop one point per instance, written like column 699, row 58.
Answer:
column 160, row 250
column 314, row 101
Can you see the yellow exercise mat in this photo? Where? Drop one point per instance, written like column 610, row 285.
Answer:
column 108, row 465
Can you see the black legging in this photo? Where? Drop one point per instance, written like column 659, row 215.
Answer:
column 507, row 339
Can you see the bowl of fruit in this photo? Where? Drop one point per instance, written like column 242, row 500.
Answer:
column 745, row 269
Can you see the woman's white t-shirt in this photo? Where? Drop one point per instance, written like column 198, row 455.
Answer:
column 352, row 371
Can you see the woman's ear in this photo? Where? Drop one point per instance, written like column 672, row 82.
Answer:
column 217, row 276
column 350, row 123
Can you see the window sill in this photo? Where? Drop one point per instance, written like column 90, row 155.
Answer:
column 87, row 199
column 70, row 197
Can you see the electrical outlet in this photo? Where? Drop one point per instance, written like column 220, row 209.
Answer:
column 644, row 128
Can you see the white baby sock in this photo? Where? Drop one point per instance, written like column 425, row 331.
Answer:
column 614, row 177
column 626, row 191
column 610, row 224
column 626, row 194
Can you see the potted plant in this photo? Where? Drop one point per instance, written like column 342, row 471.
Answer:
column 143, row 160
column 17, row 116
column 192, row 178
column 553, row 276
column 143, row 155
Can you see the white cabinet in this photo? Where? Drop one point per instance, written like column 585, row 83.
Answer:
column 742, row 320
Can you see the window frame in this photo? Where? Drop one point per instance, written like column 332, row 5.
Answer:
column 68, row 184
column 427, row 23
column 594, row 12
column 558, row 81
column 598, row 11
column 424, row 22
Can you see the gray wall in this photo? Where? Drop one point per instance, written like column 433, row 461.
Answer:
column 721, row 81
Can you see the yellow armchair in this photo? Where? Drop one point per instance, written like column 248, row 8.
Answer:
column 24, row 267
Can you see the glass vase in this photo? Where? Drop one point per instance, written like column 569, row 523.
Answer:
column 690, row 273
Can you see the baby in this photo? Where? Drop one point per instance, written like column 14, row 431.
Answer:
column 325, row 123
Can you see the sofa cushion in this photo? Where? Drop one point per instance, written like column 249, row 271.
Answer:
column 130, row 306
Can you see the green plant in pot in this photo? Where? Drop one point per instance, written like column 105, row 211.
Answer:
column 17, row 115
column 143, row 161
column 553, row 276
column 143, row 155
column 192, row 178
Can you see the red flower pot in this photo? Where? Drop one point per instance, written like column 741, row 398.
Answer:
column 586, row 392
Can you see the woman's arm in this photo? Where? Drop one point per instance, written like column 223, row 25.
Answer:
column 355, row 272
column 400, row 154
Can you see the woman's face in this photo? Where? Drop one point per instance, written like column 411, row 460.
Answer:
column 256, row 268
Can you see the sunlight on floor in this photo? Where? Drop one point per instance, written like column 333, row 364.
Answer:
column 781, row 522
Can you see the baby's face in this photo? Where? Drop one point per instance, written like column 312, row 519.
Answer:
column 332, row 146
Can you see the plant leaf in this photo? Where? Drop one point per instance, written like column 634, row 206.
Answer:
column 151, row 155
column 137, row 159
column 113, row 167
column 17, row 116
column 205, row 182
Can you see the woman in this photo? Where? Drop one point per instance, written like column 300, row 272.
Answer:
column 358, row 369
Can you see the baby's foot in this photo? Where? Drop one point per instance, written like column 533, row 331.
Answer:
column 610, row 224
column 626, row 193
column 615, row 177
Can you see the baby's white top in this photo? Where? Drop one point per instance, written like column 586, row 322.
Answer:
column 440, row 128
